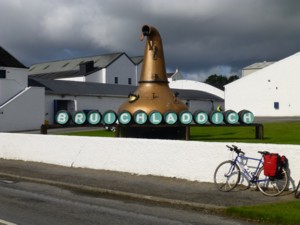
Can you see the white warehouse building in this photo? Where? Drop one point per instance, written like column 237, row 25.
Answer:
column 272, row 91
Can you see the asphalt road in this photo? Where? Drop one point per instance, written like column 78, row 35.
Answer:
column 37, row 204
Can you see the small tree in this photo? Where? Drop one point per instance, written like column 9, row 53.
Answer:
column 220, row 81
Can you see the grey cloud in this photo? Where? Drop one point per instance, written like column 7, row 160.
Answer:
column 200, row 37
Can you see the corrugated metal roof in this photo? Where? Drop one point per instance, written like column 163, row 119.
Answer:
column 100, row 61
column 7, row 60
column 98, row 89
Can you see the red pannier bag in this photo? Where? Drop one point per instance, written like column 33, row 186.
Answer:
column 271, row 164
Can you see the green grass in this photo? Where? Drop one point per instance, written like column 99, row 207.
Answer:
column 277, row 133
column 281, row 213
column 94, row 133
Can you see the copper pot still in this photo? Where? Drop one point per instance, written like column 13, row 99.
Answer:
column 153, row 93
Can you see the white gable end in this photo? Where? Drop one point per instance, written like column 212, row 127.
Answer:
column 272, row 91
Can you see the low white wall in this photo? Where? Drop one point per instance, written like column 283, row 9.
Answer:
column 190, row 160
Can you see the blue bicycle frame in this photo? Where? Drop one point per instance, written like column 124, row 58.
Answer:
column 250, row 175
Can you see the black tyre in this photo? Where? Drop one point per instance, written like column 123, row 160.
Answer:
column 297, row 190
column 272, row 186
column 227, row 176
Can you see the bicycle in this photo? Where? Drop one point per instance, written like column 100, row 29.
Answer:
column 297, row 190
column 227, row 175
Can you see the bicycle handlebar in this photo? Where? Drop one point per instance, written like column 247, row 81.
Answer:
column 264, row 152
column 239, row 151
column 236, row 149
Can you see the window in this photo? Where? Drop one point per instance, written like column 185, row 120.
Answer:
column 116, row 80
column 3, row 74
column 276, row 105
column 129, row 80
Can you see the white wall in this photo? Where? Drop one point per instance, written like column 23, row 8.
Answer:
column 138, row 71
column 79, row 79
column 8, row 89
column 26, row 111
column 123, row 68
column 14, row 83
column 190, row 160
column 258, row 91
column 205, row 105
column 20, row 75
column 97, row 77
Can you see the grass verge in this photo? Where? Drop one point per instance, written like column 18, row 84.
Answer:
column 280, row 213
column 276, row 133
column 93, row 133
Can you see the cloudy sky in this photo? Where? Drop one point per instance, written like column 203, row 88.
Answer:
column 200, row 37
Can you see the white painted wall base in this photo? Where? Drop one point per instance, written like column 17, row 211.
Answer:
column 191, row 160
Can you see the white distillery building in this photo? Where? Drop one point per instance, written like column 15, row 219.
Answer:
column 272, row 91
column 86, row 96
column 21, row 107
column 87, row 83
column 115, row 68
column 103, row 83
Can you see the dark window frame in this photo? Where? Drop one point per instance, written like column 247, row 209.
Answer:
column 2, row 74
column 116, row 80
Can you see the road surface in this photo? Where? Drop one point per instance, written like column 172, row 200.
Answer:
column 25, row 203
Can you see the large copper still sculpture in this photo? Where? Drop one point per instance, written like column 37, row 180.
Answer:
column 153, row 93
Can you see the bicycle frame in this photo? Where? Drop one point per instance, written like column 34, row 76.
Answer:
column 251, row 175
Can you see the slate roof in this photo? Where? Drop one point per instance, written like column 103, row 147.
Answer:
column 137, row 59
column 98, row 89
column 70, row 67
column 58, row 75
column 7, row 60
column 81, row 88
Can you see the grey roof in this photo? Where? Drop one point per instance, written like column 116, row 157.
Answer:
column 258, row 65
column 98, row 89
column 81, row 88
column 7, row 60
column 137, row 59
column 101, row 61
column 175, row 75
column 169, row 75
column 58, row 75
column 197, row 95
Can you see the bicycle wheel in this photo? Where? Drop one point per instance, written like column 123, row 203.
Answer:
column 272, row 186
column 297, row 190
column 227, row 176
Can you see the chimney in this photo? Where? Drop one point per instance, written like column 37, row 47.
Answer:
column 86, row 67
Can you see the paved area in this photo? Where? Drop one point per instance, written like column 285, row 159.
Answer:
column 161, row 190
